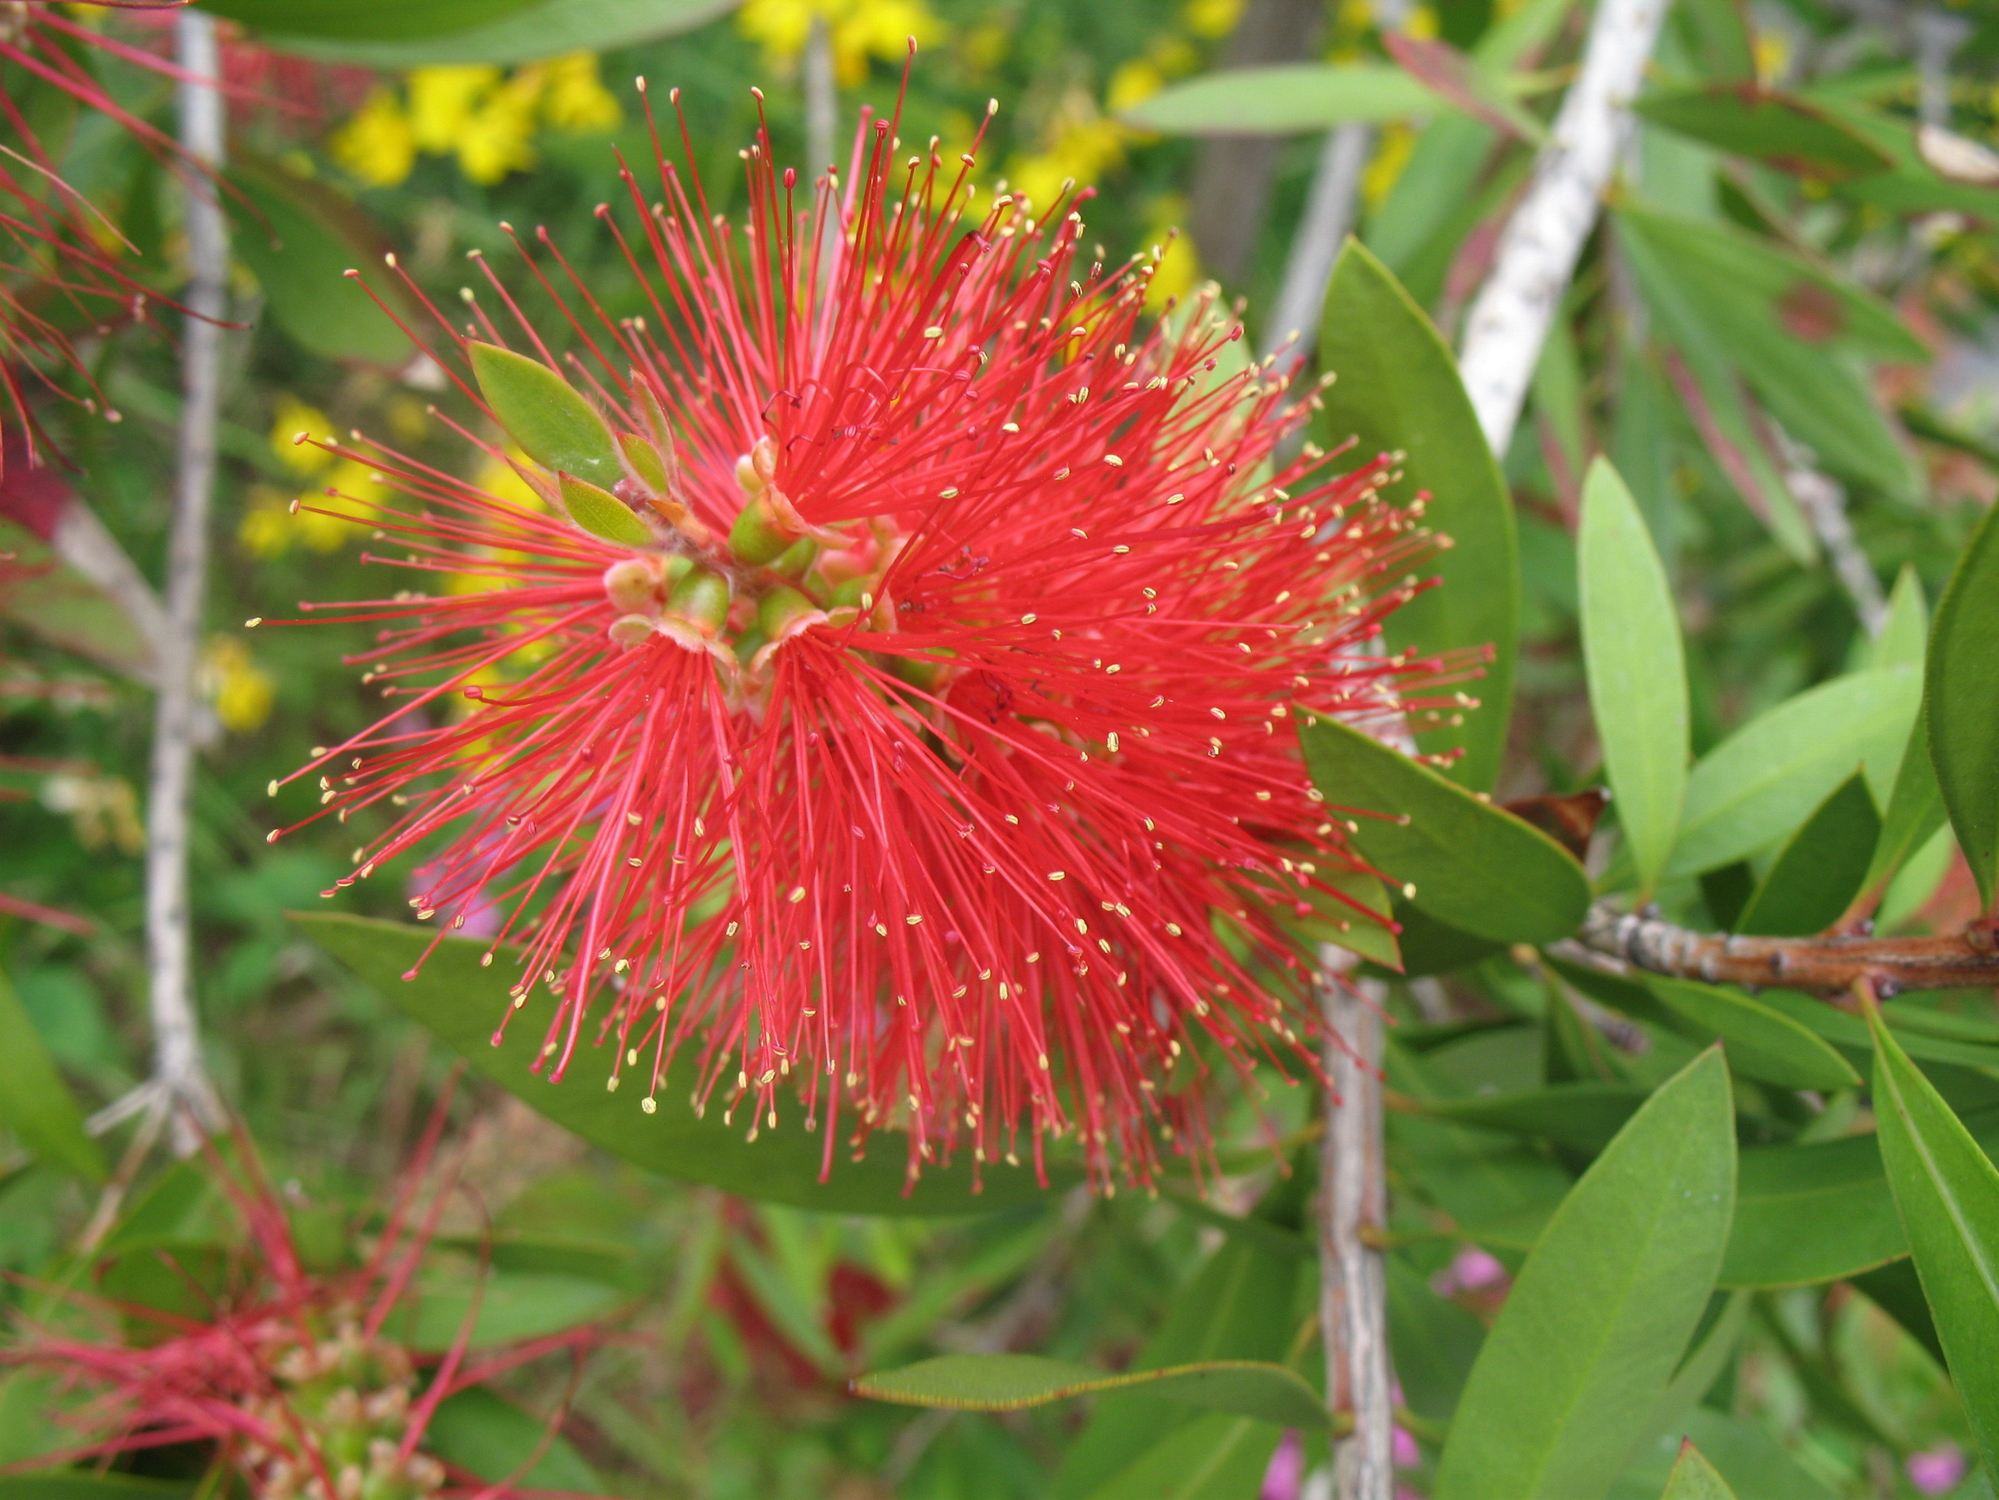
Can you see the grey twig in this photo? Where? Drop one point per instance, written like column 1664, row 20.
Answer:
column 1539, row 247
column 180, row 1077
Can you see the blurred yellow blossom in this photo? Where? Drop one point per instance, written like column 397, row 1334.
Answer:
column 378, row 145
column 241, row 691
column 273, row 521
column 1212, row 18
column 1133, row 82
column 1397, row 142
column 861, row 30
column 575, row 98
column 408, row 417
column 444, row 99
column 294, row 416
column 485, row 117
column 1079, row 145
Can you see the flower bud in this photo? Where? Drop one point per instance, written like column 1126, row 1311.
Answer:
column 701, row 598
column 633, row 585
column 779, row 608
column 630, row 630
column 760, row 535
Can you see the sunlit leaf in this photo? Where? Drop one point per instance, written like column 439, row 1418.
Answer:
column 554, row 425
column 1636, row 667
column 1600, row 1314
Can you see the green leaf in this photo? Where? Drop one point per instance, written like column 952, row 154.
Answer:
column 1752, row 273
column 48, row 597
column 1764, row 780
column 34, row 1101
column 1794, row 332
column 1637, row 669
column 1283, row 100
column 298, row 239
column 1947, row 1192
column 545, row 28
column 602, row 514
column 1761, row 1042
column 1237, row 1305
column 1963, row 703
column 1398, row 391
column 490, row 1436
column 1782, row 129
column 1915, row 809
column 1333, row 921
column 1905, row 632
column 1694, row 1478
column 1012, row 1382
column 83, row 1484
column 1583, row 1115
column 1820, row 869
column 1603, row 1309
column 1812, row 1213
column 512, row 1306
column 461, row 1003
column 1474, row 866
column 554, row 426
column 343, row 18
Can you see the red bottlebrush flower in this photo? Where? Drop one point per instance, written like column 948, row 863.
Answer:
column 906, row 721
column 291, row 1376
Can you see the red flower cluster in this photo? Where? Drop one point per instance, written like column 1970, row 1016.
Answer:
column 903, row 719
column 290, row 1376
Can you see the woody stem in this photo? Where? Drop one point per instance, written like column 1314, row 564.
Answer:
column 1825, row 965
column 179, row 1075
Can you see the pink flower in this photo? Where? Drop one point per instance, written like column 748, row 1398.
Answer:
column 911, row 727
column 1408, row 1452
column 1285, row 1476
column 1937, row 1471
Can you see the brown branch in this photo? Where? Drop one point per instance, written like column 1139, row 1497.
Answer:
column 1825, row 965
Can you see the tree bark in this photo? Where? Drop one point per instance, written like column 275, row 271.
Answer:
column 1232, row 173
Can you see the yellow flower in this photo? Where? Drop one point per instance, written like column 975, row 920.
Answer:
column 1081, row 146
column 1132, row 83
column 442, row 101
column 861, row 30
column 576, row 99
column 1391, row 155
column 498, row 137
column 377, row 146
column 293, row 417
column 241, row 691
column 1212, row 18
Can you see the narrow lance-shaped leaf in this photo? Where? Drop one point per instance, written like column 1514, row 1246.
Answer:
column 1962, row 694
column 1471, row 865
column 1915, row 811
column 602, row 513
column 1947, row 1192
column 1602, row 1311
column 1637, row 669
column 1761, row 1042
column 554, row 425
column 1012, row 1382
column 1820, row 868
column 34, row 1101
column 1764, row 780
column 1398, row 391
column 1694, row 1478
